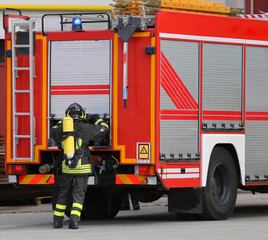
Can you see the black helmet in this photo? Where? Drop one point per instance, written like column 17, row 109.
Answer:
column 75, row 110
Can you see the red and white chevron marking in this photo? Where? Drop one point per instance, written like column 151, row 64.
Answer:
column 253, row 16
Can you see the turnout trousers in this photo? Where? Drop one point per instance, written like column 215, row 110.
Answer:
column 76, row 187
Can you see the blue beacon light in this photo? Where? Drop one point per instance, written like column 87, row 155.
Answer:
column 77, row 25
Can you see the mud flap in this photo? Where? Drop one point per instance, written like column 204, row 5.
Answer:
column 185, row 200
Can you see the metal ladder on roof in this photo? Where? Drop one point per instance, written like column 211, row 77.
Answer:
column 28, row 26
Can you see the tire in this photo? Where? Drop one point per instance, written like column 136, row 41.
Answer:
column 98, row 204
column 219, row 195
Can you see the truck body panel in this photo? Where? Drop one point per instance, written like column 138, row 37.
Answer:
column 204, row 86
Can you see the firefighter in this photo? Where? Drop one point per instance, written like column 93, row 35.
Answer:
column 78, row 166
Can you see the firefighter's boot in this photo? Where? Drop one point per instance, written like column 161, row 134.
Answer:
column 57, row 224
column 73, row 225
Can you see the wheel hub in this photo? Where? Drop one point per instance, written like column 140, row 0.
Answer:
column 221, row 185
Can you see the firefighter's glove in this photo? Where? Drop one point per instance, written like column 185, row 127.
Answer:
column 94, row 117
column 102, row 123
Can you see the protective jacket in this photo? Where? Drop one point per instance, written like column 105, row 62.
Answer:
column 83, row 133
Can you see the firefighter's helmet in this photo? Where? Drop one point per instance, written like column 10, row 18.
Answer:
column 75, row 111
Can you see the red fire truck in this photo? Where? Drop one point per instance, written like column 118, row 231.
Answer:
column 185, row 96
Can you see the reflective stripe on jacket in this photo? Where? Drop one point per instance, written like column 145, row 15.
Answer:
column 84, row 133
column 79, row 169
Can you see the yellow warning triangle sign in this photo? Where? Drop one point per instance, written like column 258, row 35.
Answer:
column 143, row 150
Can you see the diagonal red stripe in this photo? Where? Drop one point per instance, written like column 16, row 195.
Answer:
column 134, row 179
column 174, row 96
column 36, row 179
column 177, row 80
column 118, row 180
column 175, row 84
column 51, row 180
column 177, row 90
column 22, row 177
column 179, row 103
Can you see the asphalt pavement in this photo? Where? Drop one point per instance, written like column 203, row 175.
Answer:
column 249, row 221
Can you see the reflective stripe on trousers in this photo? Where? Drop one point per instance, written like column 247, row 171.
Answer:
column 59, row 211
column 76, row 210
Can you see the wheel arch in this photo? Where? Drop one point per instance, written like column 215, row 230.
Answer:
column 231, row 149
column 234, row 144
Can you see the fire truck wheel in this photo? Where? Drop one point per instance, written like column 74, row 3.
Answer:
column 219, row 196
column 99, row 204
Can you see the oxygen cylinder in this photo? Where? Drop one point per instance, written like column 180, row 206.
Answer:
column 68, row 143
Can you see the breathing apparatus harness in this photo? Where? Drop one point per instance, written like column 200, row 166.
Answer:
column 70, row 143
